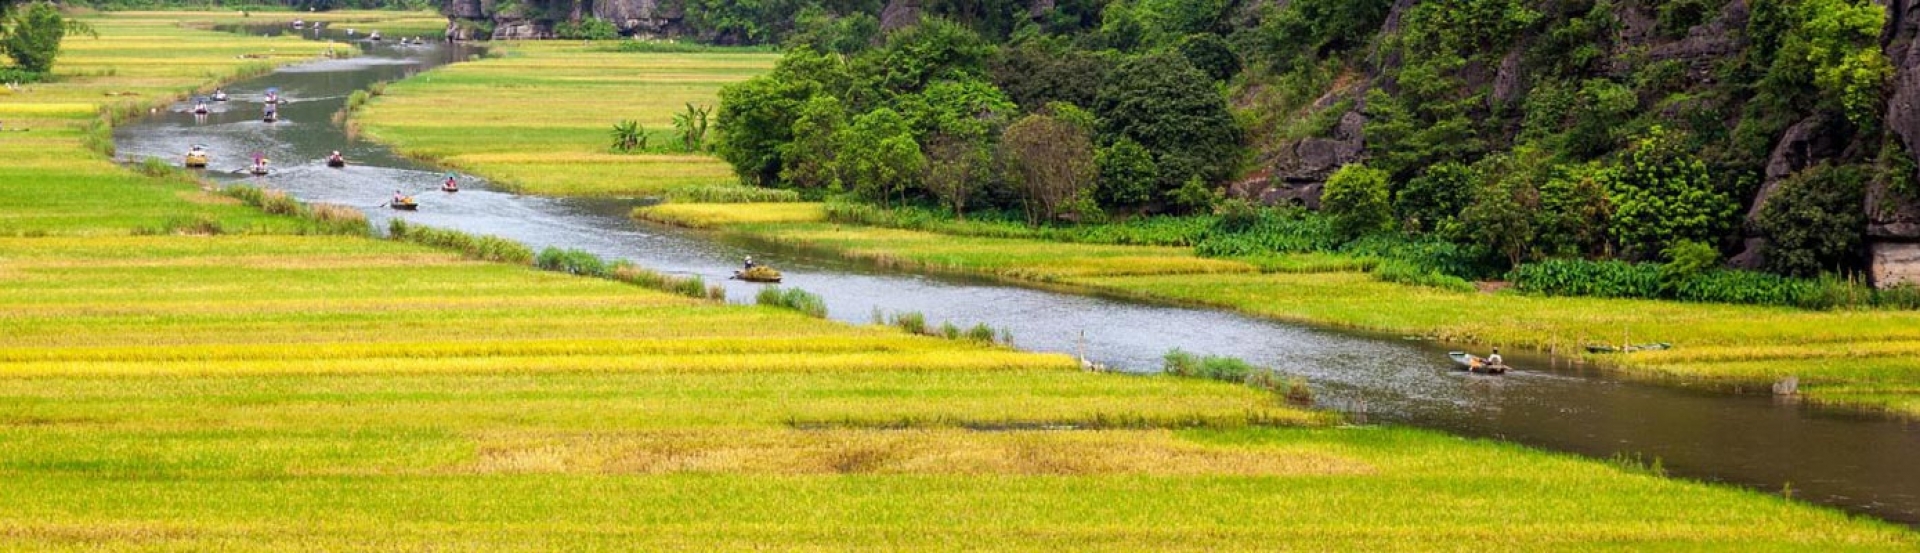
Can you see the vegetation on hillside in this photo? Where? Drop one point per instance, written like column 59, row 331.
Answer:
column 1520, row 132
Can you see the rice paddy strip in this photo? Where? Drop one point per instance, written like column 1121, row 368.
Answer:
column 272, row 392
column 1853, row 357
column 537, row 118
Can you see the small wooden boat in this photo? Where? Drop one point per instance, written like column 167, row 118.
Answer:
column 449, row 188
column 271, row 117
column 1656, row 346
column 197, row 157
column 758, row 274
column 258, row 170
column 336, row 162
column 200, row 110
column 1468, row 362
column 219, row 96
column 408, row 205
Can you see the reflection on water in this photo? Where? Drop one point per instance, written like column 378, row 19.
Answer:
column 1862, row 463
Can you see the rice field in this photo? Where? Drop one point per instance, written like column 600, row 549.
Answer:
column 1859, row 358
column 273, row 391
column 537, row 118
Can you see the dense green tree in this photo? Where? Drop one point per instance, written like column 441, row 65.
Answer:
column 755, row 121
column 1050, row 162
column 913, row 57
column 1432, row 201
column 821, row 30
column 1574, row 212
column 970, row 110
column 1170, row 108
column 31, row 35
column 1210, row 54
column 1503, row 213
column 1816, row 221
column 811, row 159
column 1304, row 30
column 1661, row 195
column 879, row 158
column 1357, row 199
column 957, row 170
column 1040, row 70
column 1128, row 175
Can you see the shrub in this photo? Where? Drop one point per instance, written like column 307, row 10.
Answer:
column 1265, row 231
column 913, row 322
column 572, row 261
column 1356, row 197
column 1405, row 272
column 1814, row 223
column 793, row 298
column 483, row 248
column 692, row 287
column 1573, row 277
column 981, row 333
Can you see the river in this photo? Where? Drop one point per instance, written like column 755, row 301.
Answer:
column 1859, row 462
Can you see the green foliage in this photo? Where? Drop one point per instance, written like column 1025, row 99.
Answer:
column 1252, row 232
column 1687, row 260
column 1505, row 207
column 1814, row 222
column 1143, row 231
column 971, row 111
column 1677, row 16
column 794, row 299
column 32, row 36
column 878, row 156
column 1414, row 274
column 1617, row 279
column 629, row 135
column 1661, row 195
column 819, row 29
column 1574, row 216
column 572, row 261
column 1356, row 198
column 936, row 49
column 1167, row 106
column 1127, row 174
column 756, row 119
column 1434, row 201
column 1210, row 54
column 1293, row 34
column 484, row 248
column 1601, row 279
column 1050, row 163
column 692, row 125
column 811, row 159
column 1178, row 362
column 1038, row 71
column 1839, row 41
column 587, row 28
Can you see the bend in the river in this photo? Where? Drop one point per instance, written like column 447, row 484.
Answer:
column 1859, row 462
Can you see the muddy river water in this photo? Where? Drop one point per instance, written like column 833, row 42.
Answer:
column 1862, row 463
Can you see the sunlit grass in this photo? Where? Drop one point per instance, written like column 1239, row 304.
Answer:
column 718, row 215
column 277, row 392
column 548, row 108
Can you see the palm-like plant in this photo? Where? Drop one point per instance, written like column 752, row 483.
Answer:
column 628, row 136
column 692, row 125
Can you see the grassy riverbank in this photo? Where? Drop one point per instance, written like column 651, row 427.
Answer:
column 539, row 117
column 238, row 385
column 1862, row 358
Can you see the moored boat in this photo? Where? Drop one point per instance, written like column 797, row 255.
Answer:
column 407, row 205
column 758, row 274
column 1470, row 363
column 197, row 157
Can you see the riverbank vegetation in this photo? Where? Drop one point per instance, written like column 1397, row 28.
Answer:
column 285, row 392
